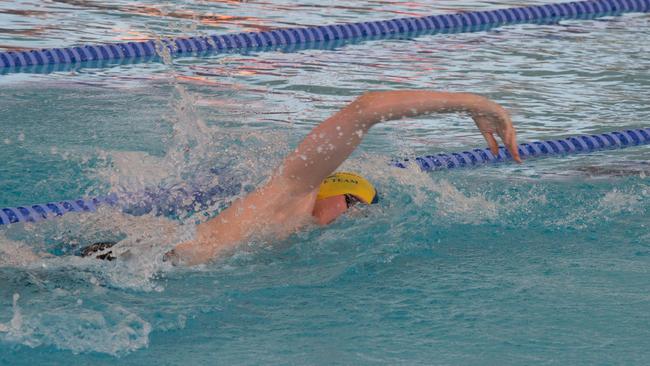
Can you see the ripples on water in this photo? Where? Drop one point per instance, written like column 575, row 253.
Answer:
column 472, row 266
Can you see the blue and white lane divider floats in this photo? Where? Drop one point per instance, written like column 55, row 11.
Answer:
column 570, row 145
column 460, row 22
column 470, row 158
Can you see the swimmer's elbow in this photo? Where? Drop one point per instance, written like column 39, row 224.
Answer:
column 368, row 107
column 366, row 100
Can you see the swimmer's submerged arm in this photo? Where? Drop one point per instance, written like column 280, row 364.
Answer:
column 329, row 144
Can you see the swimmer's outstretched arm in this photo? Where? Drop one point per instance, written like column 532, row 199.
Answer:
column 321, row 152
column 329, row 144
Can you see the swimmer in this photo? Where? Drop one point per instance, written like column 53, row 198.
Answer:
column 306, row 189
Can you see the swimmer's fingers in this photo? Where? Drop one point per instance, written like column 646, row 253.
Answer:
column 488, row 126
column 492, row 142
column 509, row 137
column 492, row 118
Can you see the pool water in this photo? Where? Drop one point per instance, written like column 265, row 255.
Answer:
column 542, row 263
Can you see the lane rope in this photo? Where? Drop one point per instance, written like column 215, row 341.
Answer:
column 460, row 22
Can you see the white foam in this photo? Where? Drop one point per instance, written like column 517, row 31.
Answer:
column 114, row 331
column 16, row 254
column 135, row 170
column 603, row 208
column 616, row 201
column 16, row 320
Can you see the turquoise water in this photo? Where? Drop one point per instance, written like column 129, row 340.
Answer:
column 543, row 263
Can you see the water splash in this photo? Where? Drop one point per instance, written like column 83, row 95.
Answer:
column 616, row 201
column 16, row 254
column 13, row 327
column 614, row 204
column 115, row 331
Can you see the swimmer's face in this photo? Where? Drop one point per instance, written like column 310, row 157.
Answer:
column 328, row 209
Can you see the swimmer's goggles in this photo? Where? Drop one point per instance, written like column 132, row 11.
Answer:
column 354, row 187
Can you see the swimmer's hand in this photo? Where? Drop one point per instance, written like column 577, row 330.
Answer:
column 190, row 254
column 491, row 118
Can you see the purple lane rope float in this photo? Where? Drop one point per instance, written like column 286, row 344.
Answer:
column 460, row 22
column 570, row 145
column 464, row 159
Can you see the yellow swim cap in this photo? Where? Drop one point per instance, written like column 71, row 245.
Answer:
column 347, row 183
